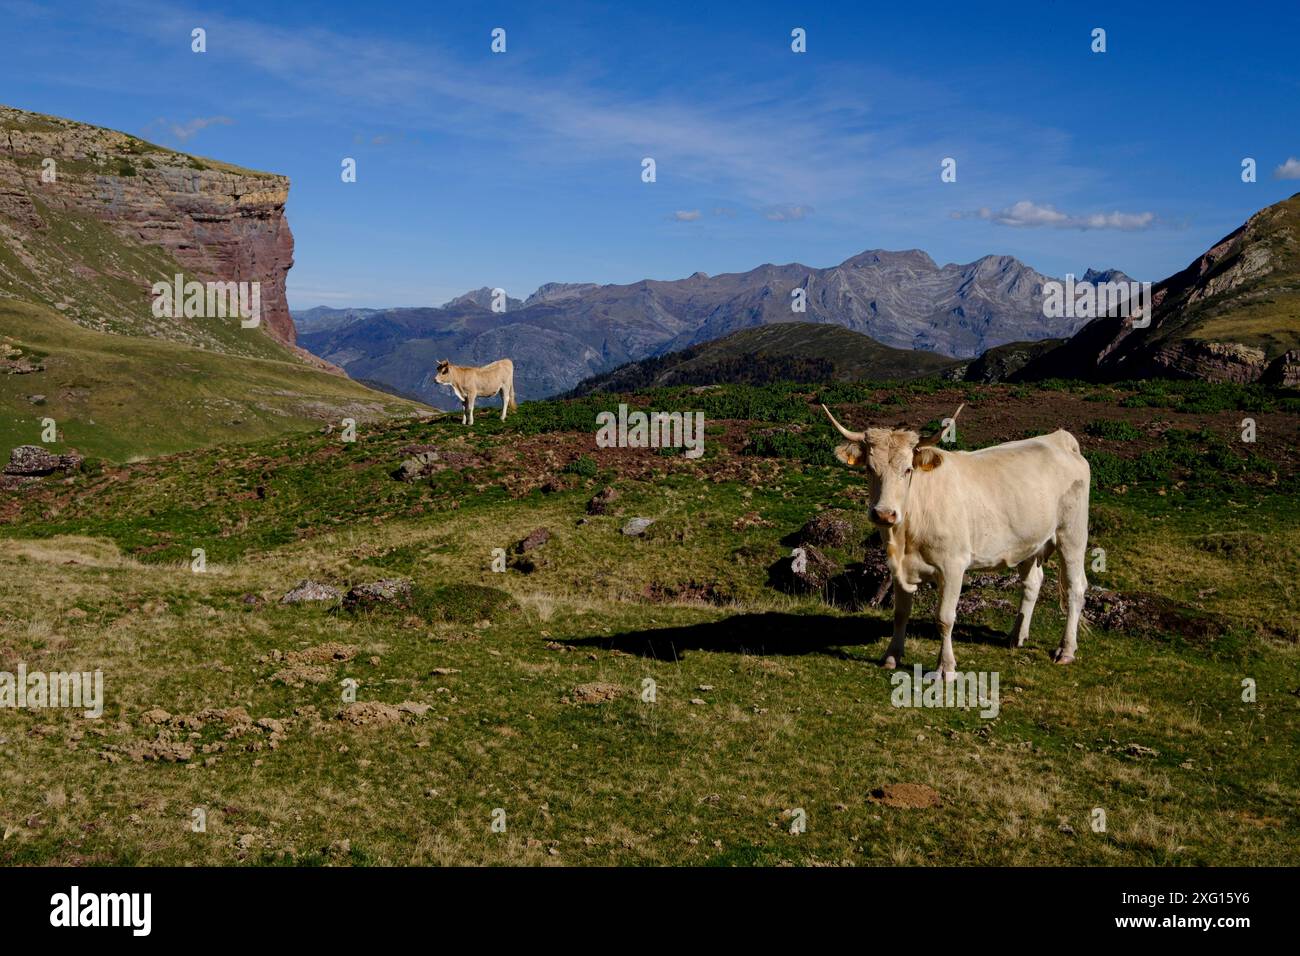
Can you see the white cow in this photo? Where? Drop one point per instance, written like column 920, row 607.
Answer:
column 942, row 513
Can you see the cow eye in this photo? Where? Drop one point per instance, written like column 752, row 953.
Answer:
column 907, row 472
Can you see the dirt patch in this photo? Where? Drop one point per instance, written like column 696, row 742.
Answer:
column 908, row 796
column 369, row 713
column 1138, row 612
column 689, row 592
column 594, row 693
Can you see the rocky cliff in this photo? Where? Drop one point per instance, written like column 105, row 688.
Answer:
column 65, row 183
column 1233, row 315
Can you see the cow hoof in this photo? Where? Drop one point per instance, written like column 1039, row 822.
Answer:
column 889, row 663
column 1059, row 657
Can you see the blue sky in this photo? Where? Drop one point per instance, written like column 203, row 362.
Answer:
column 520, row 168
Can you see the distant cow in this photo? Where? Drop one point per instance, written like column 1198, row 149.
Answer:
column 942, row 513
column 471, row 382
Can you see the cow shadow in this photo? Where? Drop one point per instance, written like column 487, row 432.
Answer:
column 774, row 633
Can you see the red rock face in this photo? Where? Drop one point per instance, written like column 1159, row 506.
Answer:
column 219, row 222
column 220, row 226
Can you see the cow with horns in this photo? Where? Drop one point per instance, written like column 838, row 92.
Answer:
column 942, row 513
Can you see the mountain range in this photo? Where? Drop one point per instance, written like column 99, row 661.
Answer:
column 566, row 332
column 1233, row 314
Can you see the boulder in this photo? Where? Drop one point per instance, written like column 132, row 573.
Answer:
column 637, row 526
column 33, row 461
column 535, row 539
column 417, row 466
column 309, row 590
column 385, row 592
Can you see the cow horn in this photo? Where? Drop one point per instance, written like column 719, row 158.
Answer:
column 932, row 440
column 851, row 436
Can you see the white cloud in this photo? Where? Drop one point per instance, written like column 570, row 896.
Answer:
column 1030, row 214
column 686, row 215
column 787, row 213
column 189, row 129
column 1288, row 170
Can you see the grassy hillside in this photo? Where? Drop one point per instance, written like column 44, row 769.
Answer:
column 123, row 397
column 786, row 351
column 521, row 690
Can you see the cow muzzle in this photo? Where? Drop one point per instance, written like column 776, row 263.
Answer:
column 884, row 517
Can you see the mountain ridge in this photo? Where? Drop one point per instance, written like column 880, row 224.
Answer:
column 564, row 333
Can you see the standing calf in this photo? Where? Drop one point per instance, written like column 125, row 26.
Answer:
column 942, row 513
column 470, row 381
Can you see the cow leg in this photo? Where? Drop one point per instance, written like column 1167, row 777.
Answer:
column 505, row 401
column 1072, row 542
column 470, row 399
column 949, row 592
column 1072, row 562
column 902, row 611
column 1031, row 577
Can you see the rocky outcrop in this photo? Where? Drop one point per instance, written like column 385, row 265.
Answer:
column 1210, row 361
column 33, row 461
column 1284, row 370
column 216, row 221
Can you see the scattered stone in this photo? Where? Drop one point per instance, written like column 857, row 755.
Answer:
column 637, row 526
column 370, row 713
column 535, row 539
column 36, row 399
column 600, row 503
column 309, row 590
column 417, row 466
column 911, row 796
column 698, row 702
column 389, row 591
column 14, row 362
column 1138, row 750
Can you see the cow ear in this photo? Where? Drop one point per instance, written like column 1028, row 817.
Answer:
column 850, row 453
column 927, row 459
